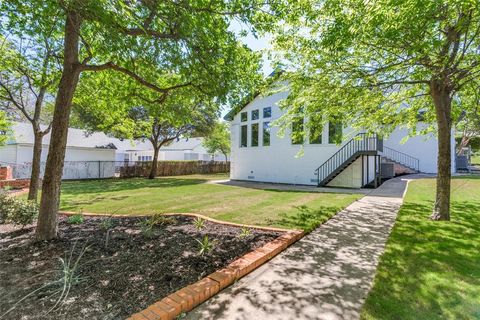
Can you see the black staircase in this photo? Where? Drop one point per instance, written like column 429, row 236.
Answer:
column 362, row 144
column 401, row 158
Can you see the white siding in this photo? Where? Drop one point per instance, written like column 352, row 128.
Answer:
column 281, row 162
column 8, row 154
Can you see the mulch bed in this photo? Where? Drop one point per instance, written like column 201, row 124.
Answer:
column 118, row 274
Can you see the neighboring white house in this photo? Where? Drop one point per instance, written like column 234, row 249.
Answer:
column 259, row 154
column 183, row 149
column 93, row 155
column 86, row 155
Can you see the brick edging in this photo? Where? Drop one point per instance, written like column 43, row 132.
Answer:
column 195, row 294
column 188, row 214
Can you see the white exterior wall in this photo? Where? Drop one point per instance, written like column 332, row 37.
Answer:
column 280, row 162
column 424, row 148
column 8, row 154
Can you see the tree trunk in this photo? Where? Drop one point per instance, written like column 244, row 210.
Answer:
column 36, row 163
column 47, row 219
column 442, row 101
column 153, row 171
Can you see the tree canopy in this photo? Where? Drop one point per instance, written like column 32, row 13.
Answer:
column 218, row 141
column 140, row 40
column 4, row 128
column 377, row 65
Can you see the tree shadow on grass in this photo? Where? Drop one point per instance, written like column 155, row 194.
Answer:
column 430, row 268
column 118, row 185
column 307, row 218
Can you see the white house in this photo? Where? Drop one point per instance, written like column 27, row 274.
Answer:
column 183, row 149
column 259, row 154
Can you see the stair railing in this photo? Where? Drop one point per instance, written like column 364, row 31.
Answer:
column 401, row 158
column 360, row 143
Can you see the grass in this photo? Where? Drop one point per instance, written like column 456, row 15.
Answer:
column 431, row 269
column 285, row 209
column 476, row 159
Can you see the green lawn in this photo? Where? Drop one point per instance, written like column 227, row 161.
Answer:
column 476, row 159
column 302, row 210
column 431, row 270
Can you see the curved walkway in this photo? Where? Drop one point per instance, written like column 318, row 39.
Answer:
column 325, row 275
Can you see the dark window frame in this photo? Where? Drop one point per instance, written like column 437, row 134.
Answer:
column 297, row 135
column 266, row 133
column 269, row 112
column 254, row 138
column 243, row 116
column 255, row 114
column 243, row 139
column 335, row 132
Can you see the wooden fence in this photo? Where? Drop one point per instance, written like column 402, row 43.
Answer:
column 175, row 168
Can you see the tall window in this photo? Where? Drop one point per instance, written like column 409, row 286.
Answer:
column 315, row 135
column 266, row 134
column 243, row 116
column 254, row 135
column 255, row 114
column 243, row 138
column 267, row 112
column 297, row 131
column 335, row 129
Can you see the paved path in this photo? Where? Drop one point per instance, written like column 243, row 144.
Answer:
column 325, row 275
column 287, row 187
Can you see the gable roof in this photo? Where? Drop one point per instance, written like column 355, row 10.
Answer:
column 184, row 144
column 22, row 133
column 249, row 98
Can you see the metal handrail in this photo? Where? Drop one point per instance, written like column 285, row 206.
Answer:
column 361, row 142
column 402, row 158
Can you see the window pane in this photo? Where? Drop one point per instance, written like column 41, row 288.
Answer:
column 243, row 116
column 266, row 134
column 243, row 140
column 335, row 132
column 297, row 131
column 316, row 134
column 255, row 135
column 255, row 114
column 267, row 112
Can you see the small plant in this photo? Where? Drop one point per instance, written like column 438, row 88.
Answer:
column 159, row 219
column 205, row 245
column 107, row 224
column 61, row 286
column 199, row 223
column 146, row 228
column 245, row 232
column 17, row 211
column 76, row 219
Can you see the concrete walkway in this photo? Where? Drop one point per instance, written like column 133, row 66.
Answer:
column 325, row 275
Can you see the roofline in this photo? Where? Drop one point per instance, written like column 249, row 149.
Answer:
column 271, row 77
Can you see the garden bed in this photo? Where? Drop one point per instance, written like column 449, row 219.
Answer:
column 122, row 270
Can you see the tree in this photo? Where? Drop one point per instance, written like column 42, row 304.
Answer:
column 218, row 140
column 138, row 39
column 4, row 127
column 139, row 115
column 378, row 65
column 25, row 86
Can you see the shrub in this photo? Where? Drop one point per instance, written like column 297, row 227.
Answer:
column 199, row 223
column 17, row 211
column 205, row 245
column 107, row 224
column 245, row 232
column 159, row 219
column 76, row 219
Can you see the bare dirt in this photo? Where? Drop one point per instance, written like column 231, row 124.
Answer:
column 120, row 269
